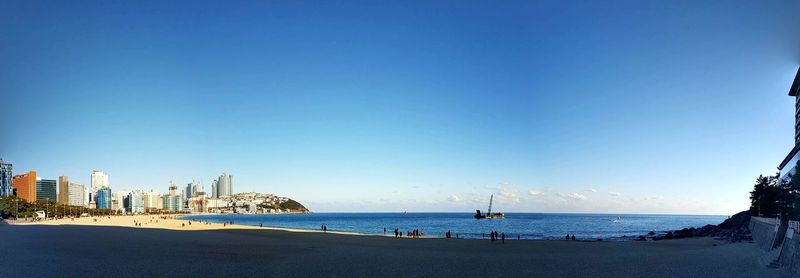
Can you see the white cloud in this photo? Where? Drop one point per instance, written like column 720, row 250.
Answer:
column 507, row 193
column 593, row 190
column 615, row 194
column 454, row 199
column 535, row 193
column 573, row 196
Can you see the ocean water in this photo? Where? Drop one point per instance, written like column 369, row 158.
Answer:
column 526, row 225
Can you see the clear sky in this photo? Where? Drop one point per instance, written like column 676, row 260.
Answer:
column 600, row 106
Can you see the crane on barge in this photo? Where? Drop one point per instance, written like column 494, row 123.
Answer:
column 489, row 214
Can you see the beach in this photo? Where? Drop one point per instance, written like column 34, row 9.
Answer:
column 116, row 247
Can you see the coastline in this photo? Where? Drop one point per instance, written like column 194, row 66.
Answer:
column 239, row 250
column 175, row 222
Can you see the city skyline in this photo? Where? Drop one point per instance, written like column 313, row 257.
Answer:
column 391, row 107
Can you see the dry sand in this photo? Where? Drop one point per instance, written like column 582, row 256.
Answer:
column 115, row 248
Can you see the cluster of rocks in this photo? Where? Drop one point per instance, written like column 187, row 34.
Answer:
column 733, row 229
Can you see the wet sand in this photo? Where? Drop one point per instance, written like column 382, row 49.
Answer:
column 112, row 248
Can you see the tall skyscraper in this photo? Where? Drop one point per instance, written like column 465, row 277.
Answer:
column 63, row 190
column 134, row 202
column 45, row 190
column 229, row 184
column 76, row 194
column 104, row 198
column 222, row 186
column 215, row 189
column 25, row 186
column 99, row 180
column 6, row 189
column 191, row 189
column 152, row 201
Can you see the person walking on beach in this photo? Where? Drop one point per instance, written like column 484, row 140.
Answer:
column 567, row 238
column 503, row 238
column 384, row 230
column 573, row 237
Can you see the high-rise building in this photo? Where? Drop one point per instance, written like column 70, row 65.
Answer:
column 134, row 202
column 70, row 193
column 45, row 190
column 230, row 185
column 191, row 189
column 25, row 186
column 214, row 189
column 6, row 189
column 222, row 186
column 152, row 201
column 118, row 200
column 63, row 190
column 99, row 180
column 104, row 198
column 172, row 202
column 76, row 194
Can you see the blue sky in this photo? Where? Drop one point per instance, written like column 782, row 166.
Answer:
column 625, row 106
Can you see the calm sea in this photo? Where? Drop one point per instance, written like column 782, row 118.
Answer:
column 526, row 225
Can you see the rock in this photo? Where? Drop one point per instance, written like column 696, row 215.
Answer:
column 733, row 229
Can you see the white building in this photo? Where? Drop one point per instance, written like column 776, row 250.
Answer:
column 76, row 194
column 134, row 204
column 99, row 180
column 118, row 200
column 152, row 201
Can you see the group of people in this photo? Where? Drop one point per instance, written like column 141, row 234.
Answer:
column 568, row 237
column 448, row 234
column 495, row 235
column 416, row 233
column 324, row 228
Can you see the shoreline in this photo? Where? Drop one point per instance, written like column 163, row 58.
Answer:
column 175, row 222
column 182, row 222
column 202, row 250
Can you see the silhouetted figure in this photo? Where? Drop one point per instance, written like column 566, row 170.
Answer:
column 503, row 238
column 573, row 237
column 567, row 237
column 517, row 237
column 384, row 230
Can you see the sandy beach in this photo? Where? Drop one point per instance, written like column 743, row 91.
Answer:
column 115, row 247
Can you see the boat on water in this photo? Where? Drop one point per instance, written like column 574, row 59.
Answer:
column 489, row 214
column 617, row 220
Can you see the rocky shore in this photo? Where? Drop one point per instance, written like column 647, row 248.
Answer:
column 733, row 229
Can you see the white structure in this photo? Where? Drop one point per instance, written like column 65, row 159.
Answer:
column 118, row 200
column 76, row 195
column 152, row 200
column 99, row 180
column 134, row 203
